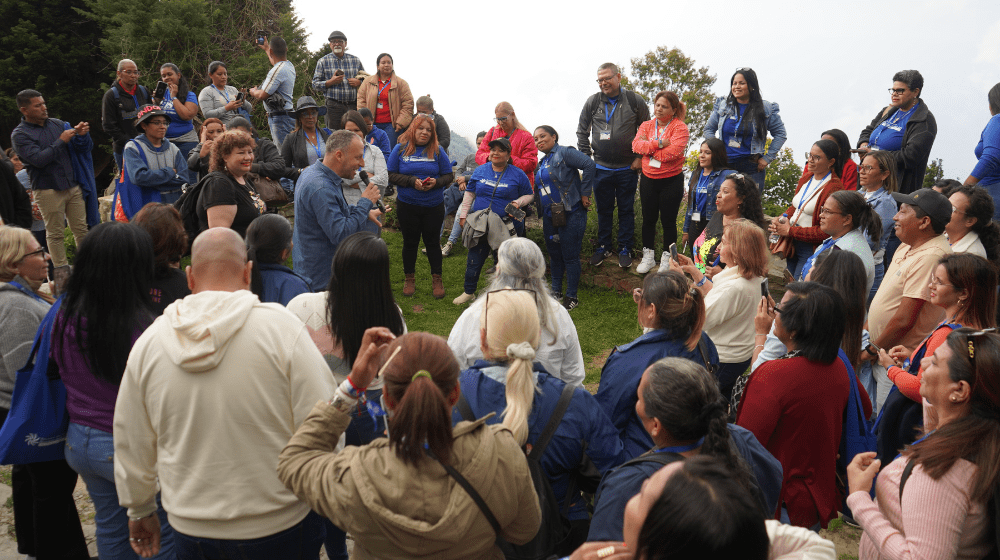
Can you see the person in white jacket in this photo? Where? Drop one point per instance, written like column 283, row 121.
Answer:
column 211, row 394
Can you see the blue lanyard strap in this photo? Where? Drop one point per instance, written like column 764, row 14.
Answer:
column 681, row 448
column 381, row 88
column 315, row 146
column 805, row 191
column 25, row 290
column 608, row 115
column 223, row 92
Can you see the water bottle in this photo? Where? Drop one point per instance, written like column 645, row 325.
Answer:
column 774, row 236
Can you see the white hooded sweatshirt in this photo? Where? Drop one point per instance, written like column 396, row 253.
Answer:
column 212, row 392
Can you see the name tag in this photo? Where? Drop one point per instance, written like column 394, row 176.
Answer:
column 653, row 162
column 695, row 216
column 379, row 106
column 734, row 143
column 606, row 136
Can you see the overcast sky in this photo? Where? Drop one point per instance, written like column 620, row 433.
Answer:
column 827, row 64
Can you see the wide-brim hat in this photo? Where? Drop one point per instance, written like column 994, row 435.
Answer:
column 307, row 102
column 147, row 112
column 933, row 203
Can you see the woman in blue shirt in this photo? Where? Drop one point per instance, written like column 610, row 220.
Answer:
column 877, row 179
column 269, row 244
column 560, row 188
column 493, row 186
column 743, row 120
column 987, row 171
column 421, row 169
column 704, row 187
column 181, row 105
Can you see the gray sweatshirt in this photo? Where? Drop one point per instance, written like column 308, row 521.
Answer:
column 20, row 315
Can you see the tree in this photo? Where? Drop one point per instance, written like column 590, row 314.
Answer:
column 780, row 181
column 934, row 173
column 670, row 70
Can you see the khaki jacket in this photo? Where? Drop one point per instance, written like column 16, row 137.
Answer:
column 396, row 510
column 400, row 99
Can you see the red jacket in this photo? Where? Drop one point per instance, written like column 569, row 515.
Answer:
column 671, row 156
column 523, row 152
column 811, row 233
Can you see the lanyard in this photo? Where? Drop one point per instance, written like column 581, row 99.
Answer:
column 805, row 191
column 886, row 123
column 223, row 92
column 386, row 84
column 681, row 448
column 315, row 146
column 918, row 441
column 607, row 115
column 497, row 184
column 25, row 290
column 656, row 127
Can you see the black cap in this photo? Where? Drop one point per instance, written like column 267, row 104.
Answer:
column 147, row 112
column 336, row 35
column 503, row 143
column 933, row 203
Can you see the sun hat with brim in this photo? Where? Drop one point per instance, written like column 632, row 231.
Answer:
column 933, row 203
column 147, row 112
column 307, row 102
column 502, row 143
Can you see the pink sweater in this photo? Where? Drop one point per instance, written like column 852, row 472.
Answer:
column 939, row 521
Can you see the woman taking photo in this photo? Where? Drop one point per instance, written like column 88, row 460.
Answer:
column 852, row 226
column 906, row 128
column 375, row 165
column 421, row 386
column 492, row 188
column 731, row 297
column 227, row 197
column 304, row 145
column 671, row 315
column 523, row 153
column 164, row 225
column 200, row 158
column 737, row 199
column 704, row 188
column 269, row 244
column 388, row 97
column 972, row 229
column 421, row 170
column 181, row 106
column 742, row 121
column 987, row 171
column 800, row 223
column 933, row 499
column 877, row 177
column 505, row 385
column 102, row 315
column 219, row 100
column 562, row 191
column 661, row 142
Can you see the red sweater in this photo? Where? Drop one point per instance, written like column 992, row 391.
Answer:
column 523, row 153
column 671, row 156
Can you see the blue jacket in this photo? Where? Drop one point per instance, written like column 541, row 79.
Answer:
column 323, row 219
column 619, row 485
column 149, row 171
column 620, row 380
column 715, row 179
column 584, row 426
column 281, row 283
column 83, row 173
column 378, row 137
column 564, row 164
column 987, row 169
column 772, row 122
column 45, row 156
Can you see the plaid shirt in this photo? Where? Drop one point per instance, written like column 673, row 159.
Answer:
column 325, row 68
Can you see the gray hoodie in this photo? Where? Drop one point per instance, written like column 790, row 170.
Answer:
column 20, row 315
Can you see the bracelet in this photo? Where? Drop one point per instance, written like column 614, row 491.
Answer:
column 758, row 345
column 702, row 281
column 137, row 519
column 351, row 389
column 760, row 334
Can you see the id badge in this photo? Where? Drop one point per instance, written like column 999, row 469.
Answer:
column 695, row 216
column 654, row 163
column 606, row 136
column 379, row 106
column 734, row 143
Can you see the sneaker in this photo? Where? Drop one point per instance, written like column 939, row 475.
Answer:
column 599, row 255
column 625, row 258
column 446, row 249
column 570, row 303
column 648, row 261
column 665, row 262
column 464, row 298
column 557, row 295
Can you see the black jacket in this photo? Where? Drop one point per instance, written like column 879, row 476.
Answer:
column 630, row 112
column 268, row 162
column 918, row 138
column 293, row 150
column 118, row 115
column 15, row 205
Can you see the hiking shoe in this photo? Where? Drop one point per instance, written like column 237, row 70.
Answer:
column 464, row 298
column 648, row 261
column 599, row 255
column 446, row 249
column 570, row 303
column 624, row 258
column 665, row 262
column 558, row 296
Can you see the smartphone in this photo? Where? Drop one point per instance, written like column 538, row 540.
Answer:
column 673, row 251
column 160, row 90
column 261, row 37
column 515, row 211
column 765, row 288
column 338, row 73
column 240, row 96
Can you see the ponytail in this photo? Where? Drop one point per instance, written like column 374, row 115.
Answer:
column 520, row 390
column 863, row 216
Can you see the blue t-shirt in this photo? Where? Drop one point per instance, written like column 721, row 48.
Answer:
column 888, row 135
column 730, row 126
column 178, row 126
column 510, row 185
column 547, row 189
column 988, row 151
column 420, row 165
column 701, row 193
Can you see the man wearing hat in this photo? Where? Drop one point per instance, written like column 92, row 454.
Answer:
column 901, row 312
column 337, row 75
column 154, row 168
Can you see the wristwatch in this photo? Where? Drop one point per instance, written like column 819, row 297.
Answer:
column 871, row 349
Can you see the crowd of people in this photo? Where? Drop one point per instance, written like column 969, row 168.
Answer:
column 721, row 431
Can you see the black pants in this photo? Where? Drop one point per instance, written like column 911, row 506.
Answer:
column 660, row 198
column 335, row 111
column 416, row 222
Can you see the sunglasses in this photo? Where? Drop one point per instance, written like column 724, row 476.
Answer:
column 501, row 119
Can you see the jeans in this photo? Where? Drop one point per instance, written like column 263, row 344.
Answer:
column 748, row 166
column 803, row 250
column 879, row 274
column 727, row 376
column 299, row 542
column 59, row 207
column 994, row 191
column 192, row 176
column 661, row 199
column 611, row 187
column 335, row 111
column 456, row 231
column 91, row 453
column 390, row 131
column 564, row 255
column 280, row 126
column 474, row 264
column 418, row 222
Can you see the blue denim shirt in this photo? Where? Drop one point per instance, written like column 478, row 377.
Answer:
column 772, row 121
column 564, row 164
column 715, row 179
column 885, row 206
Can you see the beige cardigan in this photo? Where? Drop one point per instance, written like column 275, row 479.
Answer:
column 400, row 98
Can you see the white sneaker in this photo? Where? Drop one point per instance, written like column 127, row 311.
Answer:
column 648, row 261
column 464, row 298
column 665, row 262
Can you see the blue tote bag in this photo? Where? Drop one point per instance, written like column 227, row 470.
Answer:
column 35, row 429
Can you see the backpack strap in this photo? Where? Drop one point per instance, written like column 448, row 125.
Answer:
column 663, row 458
column 907, row 470
column 703, row 348
column 464, row 483
column 464, row 409
column 550, row 429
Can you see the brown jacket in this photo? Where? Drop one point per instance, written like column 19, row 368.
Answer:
column 395, row 510
column 400, row 98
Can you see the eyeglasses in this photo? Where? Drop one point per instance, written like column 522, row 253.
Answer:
column 776, row 308
column 826, row 211
column 38, row 252
column 131, row 72
column 338, row 42
column 898, row 91
column 428, row 116
column 955, row 210
column 867, row 168
column 486, row 308
column 972, row 346
column 936, row 282
column 743, row 69
column 159, row 122
column 810, row 157
column 602, row 81
column 501, row 119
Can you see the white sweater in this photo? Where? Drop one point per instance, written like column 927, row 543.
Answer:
column 212, row 393
column 729, row 310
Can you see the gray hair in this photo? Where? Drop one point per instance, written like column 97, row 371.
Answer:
column 609, row 66
column 123, row 62
column 521, row 266
column 912, row 78
column 425, row 101
column 340, row 140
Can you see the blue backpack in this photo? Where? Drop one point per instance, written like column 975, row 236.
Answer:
column 856, row 435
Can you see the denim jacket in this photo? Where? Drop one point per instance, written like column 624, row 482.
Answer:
column 565, row 163
column 715, row 179
column 772, row 121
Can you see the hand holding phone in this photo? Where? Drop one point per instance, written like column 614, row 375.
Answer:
column 261, row 38
column 765, row 288
column 160, row 90
column 673, row 252
column 514, row 211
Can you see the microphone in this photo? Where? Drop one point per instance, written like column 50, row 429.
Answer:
column 363, row 175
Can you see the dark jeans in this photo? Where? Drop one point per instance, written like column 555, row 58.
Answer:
column 299, row 542
column 335, row 111
column 661, row 198
column 474, row 264
column 611, row 187
column 727, row 376
column 795, row 264
column 389, row 130
column 748, row 166
column 418, row 222
column 564, row 255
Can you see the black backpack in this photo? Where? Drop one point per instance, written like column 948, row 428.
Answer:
column 553, row 537
column 187, row 205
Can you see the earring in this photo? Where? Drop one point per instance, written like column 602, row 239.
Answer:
column 953, row 399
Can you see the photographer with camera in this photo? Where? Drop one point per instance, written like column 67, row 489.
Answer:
column 276, row 91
